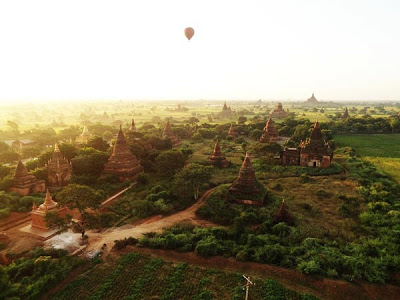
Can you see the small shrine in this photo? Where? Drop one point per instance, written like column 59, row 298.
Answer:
column 38, row 213
column 217, row 159
column 283, row 214
column 232, row 132
column 132, row 128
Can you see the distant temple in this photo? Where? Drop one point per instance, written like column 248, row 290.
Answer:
column 169, row 134
column 232, row 132
column 226, row 112
column 38, row 213
column 278, row 112
column 312, row 99
column 24, row 183
column 245, row 189
column 283, row 215
column 270, row 134
column 122, row 162
column 132, row 128
column 217, row 159
column 84, row 137
column 314, row 152
column 345, row 115
column 59, row 169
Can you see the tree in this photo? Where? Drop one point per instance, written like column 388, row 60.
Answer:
column 98, row 143
column 68, row 150
column 74, row 196
column 193, row 120
column 12, row 125
column 242, row 120
column 89, row 162
column 189, row 180
column 168, row 162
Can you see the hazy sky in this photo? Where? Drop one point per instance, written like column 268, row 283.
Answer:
column 241, row 49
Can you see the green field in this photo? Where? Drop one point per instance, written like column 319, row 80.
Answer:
column 137, row 276
column 383, row 150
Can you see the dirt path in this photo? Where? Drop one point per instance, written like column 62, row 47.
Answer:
column 155, row 224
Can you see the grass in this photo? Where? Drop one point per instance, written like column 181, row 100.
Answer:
column 316, row 200
column 138, row 276
column 382, row 150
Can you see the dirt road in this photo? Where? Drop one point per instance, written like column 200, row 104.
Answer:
column 155, row 224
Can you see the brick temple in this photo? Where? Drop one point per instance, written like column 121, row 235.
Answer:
column 217, row 159
column 283, row 215
column 59, row 170
column 314, row 152
column 270, row 134
column 122, row 162
column 24, row 183
column 169, row 134
column 226, row 111
column 38, row 213
column 245, row 189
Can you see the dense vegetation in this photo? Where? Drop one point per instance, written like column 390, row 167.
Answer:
column 135, row 276
column 32, row 276
column 254, row 236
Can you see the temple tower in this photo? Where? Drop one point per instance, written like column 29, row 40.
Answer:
column 59, row 170
column 270, row 134
column 246, row 189
column 217, row 159
column 122, row 162
column 132, row 128
column 24, row 183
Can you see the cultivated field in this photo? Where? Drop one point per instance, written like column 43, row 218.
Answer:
column 383, row 150
column 137, row 276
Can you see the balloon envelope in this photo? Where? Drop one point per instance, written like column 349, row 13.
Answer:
column 189, row 32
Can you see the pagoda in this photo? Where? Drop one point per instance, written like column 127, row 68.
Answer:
column 279, row 112
column 169, row 134
column 246, row 189
column 283, row 215
column 38, row 214
column 270, row 134
column 122, row 162
column 84, row 137
column 217, row 159
column 312, row 99
column 24, row 183
column 232, row 132
column 315, row 152
column 132, row 128
column 59, row 170
column 345, row 115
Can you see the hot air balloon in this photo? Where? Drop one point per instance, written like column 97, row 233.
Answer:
column 189, row 32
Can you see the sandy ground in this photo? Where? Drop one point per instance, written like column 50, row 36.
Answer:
column 155, row 224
